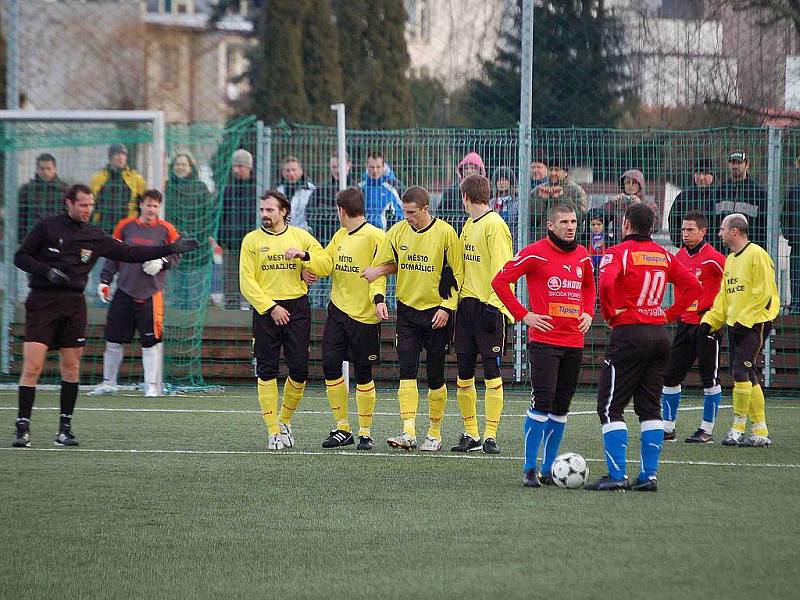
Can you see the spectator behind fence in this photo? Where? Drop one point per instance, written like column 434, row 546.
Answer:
column 451, row 207
column 741, row 193
column 790, row 224
column 539, row 171
column 381, row 198
column 558, row 189
column 597, row 239
column 632, row 192
column 117, row 189
column 42, row 196
column 300, row 191
column 700, row 197
column 322, row 212
column 189, row 207
column 238, row 217
column 505, row 200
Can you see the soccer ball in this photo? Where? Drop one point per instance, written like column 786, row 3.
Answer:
column 570, row 470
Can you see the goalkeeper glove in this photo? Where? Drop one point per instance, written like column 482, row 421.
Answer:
column 104, row 291
column 153, row 267
column 447, row 283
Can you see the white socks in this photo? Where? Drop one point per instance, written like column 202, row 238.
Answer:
column 112, row 359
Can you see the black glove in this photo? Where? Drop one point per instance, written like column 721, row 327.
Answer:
column 704, row 330
column 56, row 276
column 184, row 244
column 447, row 283
column 489, row 319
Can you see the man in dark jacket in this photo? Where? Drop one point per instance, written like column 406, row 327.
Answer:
column 42, row 196
column 790, row 226
column 700, row 197
column 321, row 212
column 741, row 194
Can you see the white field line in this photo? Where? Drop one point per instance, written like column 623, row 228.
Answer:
column 368, row 455
column 299, row 412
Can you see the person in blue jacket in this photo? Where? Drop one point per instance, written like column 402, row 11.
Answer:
column 381, row 198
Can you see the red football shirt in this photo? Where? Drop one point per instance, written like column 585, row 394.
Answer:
column 708, row 265
column 560, row 284
column 633, row 277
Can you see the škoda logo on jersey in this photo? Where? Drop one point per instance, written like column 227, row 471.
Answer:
column 556, row 283
column 86, row 254
column 649, row 258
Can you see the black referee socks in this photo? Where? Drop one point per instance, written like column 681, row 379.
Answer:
column 26, row 395
column 69, row 395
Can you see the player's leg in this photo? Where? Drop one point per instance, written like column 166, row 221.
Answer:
column 33, row 357
column 467, row 357
column 681, row 359
column 744, row 343
column 646, row 403
column 149, row 318
column 296, row 338
column 543, row 360
column 757, row 412
column 409, row 345
column 708, row 363
column 69, row 365
column 120, row 325
column 334, row 352
column 491, row 345
column 365, row 350
column 437, row 345
column 267, row 347
column 569, row 370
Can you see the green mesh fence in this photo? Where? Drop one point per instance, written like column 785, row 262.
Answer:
column 209, row 324
column 49, row 156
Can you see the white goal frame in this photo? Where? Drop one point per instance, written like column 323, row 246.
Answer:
column 155, row 179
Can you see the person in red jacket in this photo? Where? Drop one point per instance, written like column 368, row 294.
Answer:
column 633, row 277
column 689, row 344
column 560, row 282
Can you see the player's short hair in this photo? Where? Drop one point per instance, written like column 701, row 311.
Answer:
column 375, row 154
column 292, row 158
column 562, row 208
column 738, row 221
column 45, row 157
column 416, row 195
column 595, row 217
column 75, row 189
column 351, row 201
column 476, row 188
column 283, row 201
column 641, row 218
column 153, row 194
column 699, row 218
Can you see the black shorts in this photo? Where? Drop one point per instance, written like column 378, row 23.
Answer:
column 633, row 367
column 554, row 376
column 746, row 345
column 414, row 331
column 294, row 338
column 345, row 338
column 56, row 318
column 127, row 314
column 471, row 332
column 688, row 346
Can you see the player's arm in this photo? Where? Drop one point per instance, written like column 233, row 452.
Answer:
column 454, row 257
column 716, row 315
column 588, row 296
column 500, row 252
column 248, row 284
column 385, row 259
column 610, row 269
column 762, row 281
column 114, row 249
column 502, row 283
column 712, row 272
column 319, row 262
column 687, row 289
column 25, row 257
column 377, row 287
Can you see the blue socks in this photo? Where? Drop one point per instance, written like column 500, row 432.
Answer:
column 615, row 440
column 670, row 399
column 534, row 428
column 652, row 442
column 711, row 400
column 553, row 433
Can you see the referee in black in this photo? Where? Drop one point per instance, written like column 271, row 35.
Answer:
column 58, row 253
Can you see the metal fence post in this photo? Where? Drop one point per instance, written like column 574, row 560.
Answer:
column 773, row 222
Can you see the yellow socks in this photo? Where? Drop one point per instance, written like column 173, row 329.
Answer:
column 494, row 406
column 758, row 411
column 268, row 399
column 408, row 394
column 365, row 401
column 292, row 394
column 336, row 391
column 742, row 394
column 436, row 402
column 467, row 398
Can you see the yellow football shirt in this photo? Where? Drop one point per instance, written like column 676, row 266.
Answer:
column 487, row 248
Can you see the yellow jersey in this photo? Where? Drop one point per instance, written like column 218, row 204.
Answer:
column 487, row 248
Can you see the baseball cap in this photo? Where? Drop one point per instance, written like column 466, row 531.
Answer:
column 117, row 149
column 738, row 156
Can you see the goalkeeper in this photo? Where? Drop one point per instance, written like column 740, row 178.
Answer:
column 138, row 302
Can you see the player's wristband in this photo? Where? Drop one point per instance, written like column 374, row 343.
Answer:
column 306, row 257
column 379, row 298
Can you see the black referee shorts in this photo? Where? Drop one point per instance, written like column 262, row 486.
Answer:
column 633, row 367
column 294, row 338
column 477, row 332
column 554, row 376
column 56, row 318
column 344, row 339
column 746, row 345
column 688, row 346
column 126, row 315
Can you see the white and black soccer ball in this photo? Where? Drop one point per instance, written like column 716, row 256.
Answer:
column 570, row 470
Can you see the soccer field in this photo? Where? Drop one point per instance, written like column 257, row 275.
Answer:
column 178, row 497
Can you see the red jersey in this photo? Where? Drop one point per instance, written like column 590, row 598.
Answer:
column 560, row 284
column 633, row 277
column 708, row 265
